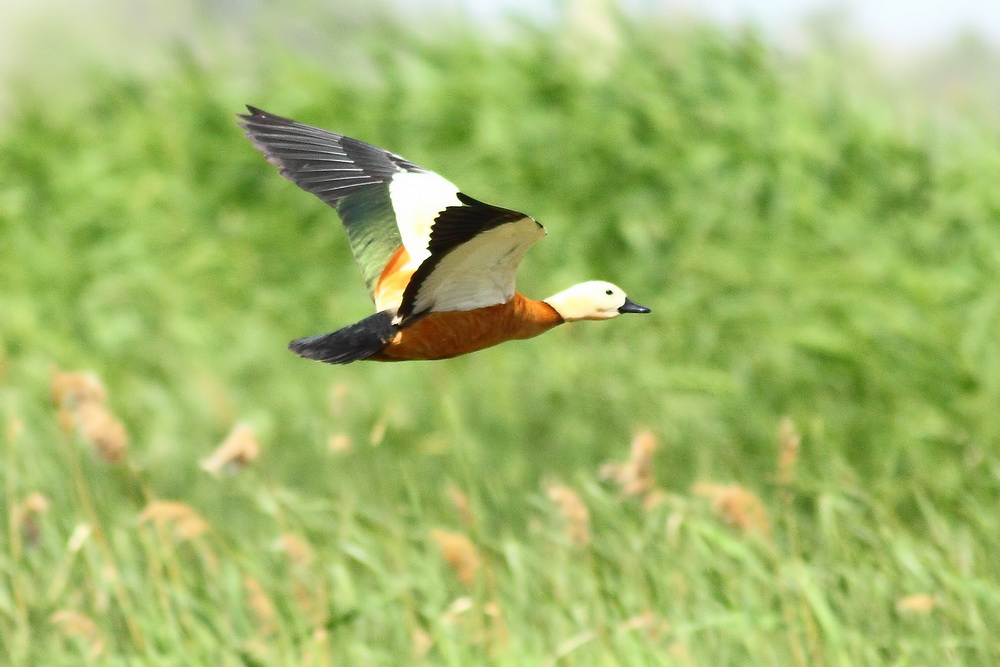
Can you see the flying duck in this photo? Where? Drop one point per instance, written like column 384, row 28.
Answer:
column 438, row 264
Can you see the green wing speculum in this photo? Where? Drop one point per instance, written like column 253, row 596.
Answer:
column 384, row 200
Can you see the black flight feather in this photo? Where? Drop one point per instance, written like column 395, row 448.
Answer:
column 327, row 164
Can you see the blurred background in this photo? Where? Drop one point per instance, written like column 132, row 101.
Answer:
column 802, row 437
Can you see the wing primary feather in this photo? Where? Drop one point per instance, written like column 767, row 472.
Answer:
column 297, row 148
column 328, row 165
column 384, row 200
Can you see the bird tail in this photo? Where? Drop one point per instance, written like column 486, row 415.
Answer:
column 360, row 340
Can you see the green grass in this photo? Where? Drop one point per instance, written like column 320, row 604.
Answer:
column 808, row 248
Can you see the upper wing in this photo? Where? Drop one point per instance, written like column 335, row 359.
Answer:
column 475, row 249
column 384, row 200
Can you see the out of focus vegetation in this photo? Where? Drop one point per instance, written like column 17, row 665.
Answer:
column 812, row 405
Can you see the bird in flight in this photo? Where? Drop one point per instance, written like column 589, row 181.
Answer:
column 439, row 265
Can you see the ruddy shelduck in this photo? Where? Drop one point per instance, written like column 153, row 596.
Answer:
column 439, row 265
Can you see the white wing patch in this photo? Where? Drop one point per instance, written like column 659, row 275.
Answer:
column 481, row 271
column 417, row 199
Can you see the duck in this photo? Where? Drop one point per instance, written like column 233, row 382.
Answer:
column 439, row 265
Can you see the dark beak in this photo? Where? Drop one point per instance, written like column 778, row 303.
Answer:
column 631, row 307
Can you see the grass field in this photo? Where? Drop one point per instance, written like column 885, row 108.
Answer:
column 803, row 438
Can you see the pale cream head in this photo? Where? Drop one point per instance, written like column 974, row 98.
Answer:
column 593, row 300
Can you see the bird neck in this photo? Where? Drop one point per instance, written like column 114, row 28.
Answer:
column 535, row 314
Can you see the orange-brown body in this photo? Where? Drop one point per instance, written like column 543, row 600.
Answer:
column 448, row 334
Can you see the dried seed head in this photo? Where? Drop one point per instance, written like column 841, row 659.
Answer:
column 648, row 621
column 307, row 598
column 456, row 609
column 73, row 624
column 298, row 550
column 492, row 610
column 339, row 443
column 635, row 476
column 102, row 431
column 26, row 516
column 378, row 433
column 573, row 511
column 736, row 505
column 572, row 644
column 337, row 394
column 315, row 651
column 264, row 612
column 184, row 521
column 165, row 511
column 918, row 603
column 680, row 654
column 190, row 528
column 81, row 533
column 67, row 421
column 35, row 503
column 321, row 637
column 496, row 634
column 82, row 403
column 640, row 463
column 238, row 450
column 15, row 429
column 421, row 642
column 653, row 499
column 461, row 503
column 259, row 651
column 789, row 443
column 482, row 624
column 72, row 389
column 460, row 554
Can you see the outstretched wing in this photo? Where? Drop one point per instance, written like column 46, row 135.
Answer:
column 475, row 250
column 385, row 201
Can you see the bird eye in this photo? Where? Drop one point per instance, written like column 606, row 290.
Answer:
column 609, row 292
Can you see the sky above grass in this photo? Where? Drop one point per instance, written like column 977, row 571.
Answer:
column 902, row 24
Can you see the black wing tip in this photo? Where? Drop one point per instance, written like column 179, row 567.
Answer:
column 259, row 121
column 254, row 114
column 259, row 117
